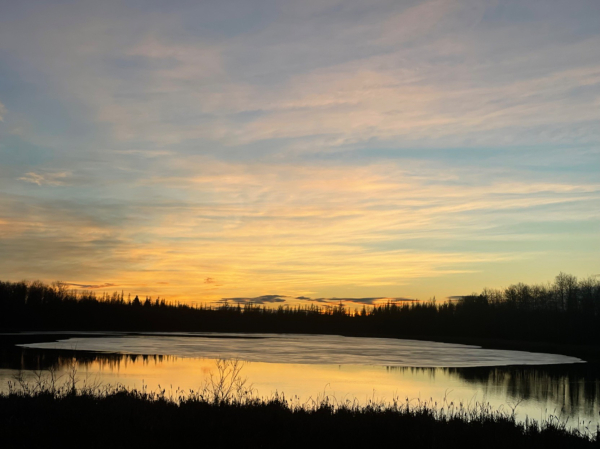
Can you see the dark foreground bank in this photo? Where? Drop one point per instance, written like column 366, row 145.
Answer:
column 226, row 416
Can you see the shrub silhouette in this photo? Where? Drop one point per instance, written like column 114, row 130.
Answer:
column 564, row 312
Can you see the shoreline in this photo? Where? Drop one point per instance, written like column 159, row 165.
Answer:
column 137, row 418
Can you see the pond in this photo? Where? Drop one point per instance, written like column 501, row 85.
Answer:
column 310, row 367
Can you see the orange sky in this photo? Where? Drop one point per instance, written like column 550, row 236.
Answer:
column 201, row 151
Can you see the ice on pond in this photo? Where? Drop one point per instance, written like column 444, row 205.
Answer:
column 307, row 349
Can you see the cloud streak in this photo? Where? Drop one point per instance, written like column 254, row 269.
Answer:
column 378, row 226
column 106, row 285
column 359, row 301
column 51, row 179
column 259, row 300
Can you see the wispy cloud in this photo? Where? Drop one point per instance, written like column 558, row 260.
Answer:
column 92, row 286
column 264, row 299
column 51, row 179
column 359, row 301
column 245, row 229
column 303, row 300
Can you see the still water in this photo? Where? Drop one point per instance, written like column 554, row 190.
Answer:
column 313, row 366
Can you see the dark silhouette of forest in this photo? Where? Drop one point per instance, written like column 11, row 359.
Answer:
column 565, row 312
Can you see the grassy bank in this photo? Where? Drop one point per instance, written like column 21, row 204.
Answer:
column 226, row 414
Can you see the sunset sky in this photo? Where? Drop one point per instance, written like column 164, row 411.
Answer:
column 201, row 150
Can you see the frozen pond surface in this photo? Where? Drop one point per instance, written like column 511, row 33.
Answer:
column 308, row 349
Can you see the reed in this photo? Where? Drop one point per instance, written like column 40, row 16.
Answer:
column 225, row 412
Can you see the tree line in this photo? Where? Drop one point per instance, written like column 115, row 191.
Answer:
column 566, row 311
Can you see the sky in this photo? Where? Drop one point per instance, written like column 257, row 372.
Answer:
column 299, row 152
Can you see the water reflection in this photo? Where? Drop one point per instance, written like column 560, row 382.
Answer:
column 15, row 358
column 570, row 390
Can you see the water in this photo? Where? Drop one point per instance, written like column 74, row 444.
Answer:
column 312, row 366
